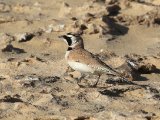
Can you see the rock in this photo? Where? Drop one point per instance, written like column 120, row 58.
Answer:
column 37, row 4
column 74, row 27
column 135, row 57
column 35, row 58
column 11, row 59
column 141, row 64
column 11, row 99
column 49, row 79
column 24, row 37
column 99, row 1
column 18, row 77
column 92, row 28
column 88, row 17
column 59, row 100
column 65, row 10
column 156, row 21
column 32, row 78
column 113, row 9
column 149, row 19
column 4, row 7
column 21, row 8
column 104, row 32
column 82, row 118
column 39, row 32
column 2, row 78
column 27, row 36
column 29, row 84
column 110, row 2
column 6, row 39
column 74, row 18
column 147, row 68
column 5, row 19
column 83, row 27
column 55, row 28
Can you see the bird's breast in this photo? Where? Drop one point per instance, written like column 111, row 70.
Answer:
column 80, row 67
column 67, row 54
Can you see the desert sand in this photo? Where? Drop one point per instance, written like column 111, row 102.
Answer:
column 35, row 81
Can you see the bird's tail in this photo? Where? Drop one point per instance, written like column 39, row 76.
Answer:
column 111, row 71
column 114, row 72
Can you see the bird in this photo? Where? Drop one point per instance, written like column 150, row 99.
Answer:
column 80, row 59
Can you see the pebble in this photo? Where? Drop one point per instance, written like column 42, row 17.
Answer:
column 55, row 28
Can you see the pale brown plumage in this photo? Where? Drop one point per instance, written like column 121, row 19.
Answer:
column 82, row 60
column 85, row 57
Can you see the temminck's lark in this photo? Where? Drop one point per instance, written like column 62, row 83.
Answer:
column 82, row 60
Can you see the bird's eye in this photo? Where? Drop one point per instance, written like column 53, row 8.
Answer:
column 69, row 33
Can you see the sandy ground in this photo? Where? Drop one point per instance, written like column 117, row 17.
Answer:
column 35, row 83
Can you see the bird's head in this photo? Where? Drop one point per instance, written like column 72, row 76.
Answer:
column 73, row 40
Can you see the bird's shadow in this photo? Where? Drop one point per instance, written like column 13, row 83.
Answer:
column 10, row 48
column 137, row 74
column 115, row 29
column 10, row 99
column 157, row 71
column 116, row 92
column 112, row 93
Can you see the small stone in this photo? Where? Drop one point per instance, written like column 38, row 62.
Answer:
column 83, row 27
column 11, row 99
column 50, row 79
column 110, row 2
column 18, row 77
column 4, row 7
column 5, row 19
column 65, row 10
column 146, row 68
column 113, row 9
column 6, row 39
column 88, row 17
column 55, row 28
column 37, row 4
column 99, row 1
column 92, row 29
column 74, row 18
column 32, row 78
column 24, row 37
column 2, row 78
column 82, row 118
column 29, row 84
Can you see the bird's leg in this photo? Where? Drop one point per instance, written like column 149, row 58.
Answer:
column 68, row 70
column 95, row 85
column 79, row 79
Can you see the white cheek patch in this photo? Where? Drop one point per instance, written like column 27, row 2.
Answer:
column 65, row 41
column 73, row 38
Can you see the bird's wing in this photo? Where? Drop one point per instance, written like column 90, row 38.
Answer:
column 83, row 56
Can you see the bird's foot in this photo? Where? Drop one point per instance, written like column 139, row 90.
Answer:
column 79, row 83
column 94, row 85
